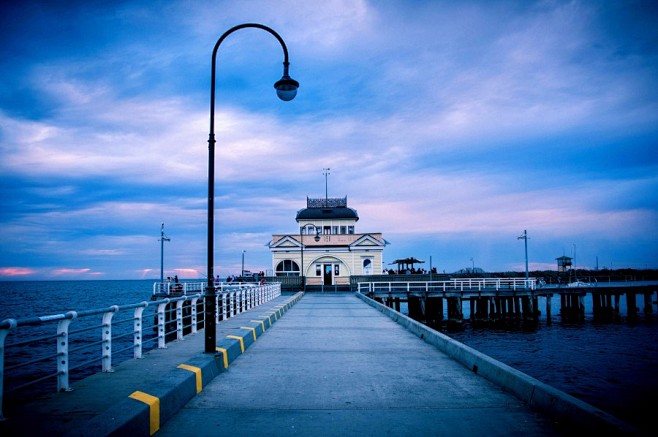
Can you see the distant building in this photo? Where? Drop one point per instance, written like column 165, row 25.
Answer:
column 327, row 249
column 563, row 263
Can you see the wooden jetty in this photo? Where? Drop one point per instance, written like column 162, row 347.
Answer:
column 494, row 300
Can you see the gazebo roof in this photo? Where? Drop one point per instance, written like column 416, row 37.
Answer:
column 411, row 261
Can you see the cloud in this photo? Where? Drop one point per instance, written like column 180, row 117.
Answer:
column 16, row 271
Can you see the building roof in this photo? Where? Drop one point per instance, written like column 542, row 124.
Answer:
column 327, row 209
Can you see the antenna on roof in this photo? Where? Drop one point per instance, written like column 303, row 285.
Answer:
column 326, row 173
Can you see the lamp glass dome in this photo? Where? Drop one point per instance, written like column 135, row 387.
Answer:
column 286, row 88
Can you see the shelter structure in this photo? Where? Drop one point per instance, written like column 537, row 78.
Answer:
column 406, row 264
column 327, row 249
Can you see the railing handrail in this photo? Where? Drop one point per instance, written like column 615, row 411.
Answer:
column 183, row 288
column 238, row 298
column 457, row 284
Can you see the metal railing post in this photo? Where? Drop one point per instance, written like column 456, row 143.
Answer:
column 179, row 320
column 216, row 312
column 3, row 337
column 161, row 324
column 137, row 330
column 63, row 351
column 106, row 339
column 193, row 314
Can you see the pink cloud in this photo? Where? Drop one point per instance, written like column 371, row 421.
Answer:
column 16, row 271
column 60, row 272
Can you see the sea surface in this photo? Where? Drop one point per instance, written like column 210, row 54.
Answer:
column 613, row 366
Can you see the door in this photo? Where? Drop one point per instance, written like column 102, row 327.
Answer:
column 328, row 275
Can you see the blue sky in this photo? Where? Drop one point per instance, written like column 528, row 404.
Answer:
column 450, row 126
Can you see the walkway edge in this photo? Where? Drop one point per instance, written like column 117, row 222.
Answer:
column 151, row 407
column 560, row 407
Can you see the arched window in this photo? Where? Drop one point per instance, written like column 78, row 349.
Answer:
column 287, row 267
column 367, row 266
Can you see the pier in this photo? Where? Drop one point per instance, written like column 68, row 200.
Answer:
column 312, row 364
column 494, row 300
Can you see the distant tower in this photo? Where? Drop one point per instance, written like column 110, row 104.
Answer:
column 563, row 263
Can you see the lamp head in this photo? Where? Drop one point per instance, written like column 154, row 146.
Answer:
column 317, row 235
column 286, row 88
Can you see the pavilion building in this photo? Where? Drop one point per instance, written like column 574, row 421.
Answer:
column 327, row 249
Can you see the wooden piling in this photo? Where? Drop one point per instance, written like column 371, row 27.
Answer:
column 415, row 309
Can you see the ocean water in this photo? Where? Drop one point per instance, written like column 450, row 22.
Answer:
column 24, row 299
column 613, row 366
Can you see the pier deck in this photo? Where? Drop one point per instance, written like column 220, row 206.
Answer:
column 332, row 364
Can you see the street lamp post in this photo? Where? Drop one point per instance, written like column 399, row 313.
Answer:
column 525, row 237
column 163, row 238
column 242, row 272
column 301, row 242
column 286, row 89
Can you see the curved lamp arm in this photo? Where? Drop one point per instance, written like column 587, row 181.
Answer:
column 286, row 87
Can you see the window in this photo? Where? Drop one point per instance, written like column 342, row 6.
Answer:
column 318, row 270
column 350, row 229
column 336, row 270
column 343, row 229
column 334, row 230
column 287, row 267
column 307, row 230
column 367, row 266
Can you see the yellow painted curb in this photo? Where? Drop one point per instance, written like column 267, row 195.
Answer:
column 238, row 338
column 225, row 355
column 197, row 372
column 154, row 409
column 253, row 330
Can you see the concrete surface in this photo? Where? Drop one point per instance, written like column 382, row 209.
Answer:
column 335, row 366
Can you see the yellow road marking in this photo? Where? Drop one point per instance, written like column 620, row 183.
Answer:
column 253, row 330
column 238, row 338
column 269, row 319
column 197, row 372
column 225, row 355
column 154, row 409
column 261, row 322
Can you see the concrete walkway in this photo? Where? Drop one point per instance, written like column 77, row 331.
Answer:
column 334, row 365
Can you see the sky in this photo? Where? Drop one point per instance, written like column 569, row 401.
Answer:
column 451, row 126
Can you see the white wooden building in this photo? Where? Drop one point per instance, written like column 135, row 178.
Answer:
column 326, row 248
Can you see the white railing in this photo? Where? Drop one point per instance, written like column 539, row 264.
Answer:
column 171, row 319
column 453, row 285
column 184, row 288
column 178, row 288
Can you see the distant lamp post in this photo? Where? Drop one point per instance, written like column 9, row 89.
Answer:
column 301, row 241
column 286, row 89
column 163, row 238
column 525, row 237
column 242, row 273
column 473, row 264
